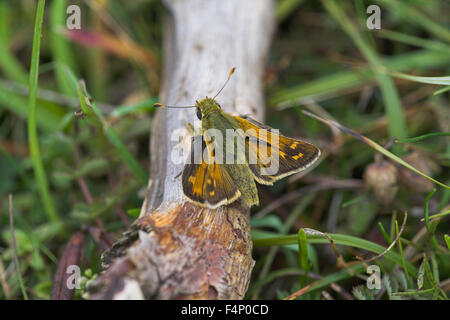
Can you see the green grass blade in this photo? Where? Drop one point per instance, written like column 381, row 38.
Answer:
column 386, row 237
column 61, row 48
column 435, row 268
column 303, row 249
column 343, row 274
column 353, row 201
column 409, row 12
column 303, row 256
column 331, row 84
column 346, row 273
column 8, row 62
column 49, row 113
column 429, row 80
column 285, row 8
column 445, row 199
column 397, row 159
column 414, row 41
column 146, row 105
column 397, row 123
column 440, row 215
column 425, row 136
column 392, row 227
column 270, row 221
column 447, row 241
column 14, row 248
column 421, row 274
column 94, row 114
column 440, row 91
column 35, row 154
column 375, row 146
column 402, row 256
column 413, row 293
column 340, row 239
column 431, row 226
column 426, row 210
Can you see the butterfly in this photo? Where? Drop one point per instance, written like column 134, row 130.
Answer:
column 220, row 169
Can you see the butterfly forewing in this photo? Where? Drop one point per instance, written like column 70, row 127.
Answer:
column 272, row 156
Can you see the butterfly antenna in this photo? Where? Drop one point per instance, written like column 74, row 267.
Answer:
column 229, row 76
column 160, row 105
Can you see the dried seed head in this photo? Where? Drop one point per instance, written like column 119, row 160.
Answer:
column 413, row 180
column 381, row 176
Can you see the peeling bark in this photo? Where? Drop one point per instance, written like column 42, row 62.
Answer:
column 176, row 250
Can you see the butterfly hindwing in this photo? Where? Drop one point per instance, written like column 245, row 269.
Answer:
column 272, row 156
column 207, row 183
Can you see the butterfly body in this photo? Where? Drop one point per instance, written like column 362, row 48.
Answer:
column 238, row 152
column 214, row 118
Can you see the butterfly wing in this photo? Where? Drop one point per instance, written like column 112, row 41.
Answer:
column 272, row 156
column 206, row 183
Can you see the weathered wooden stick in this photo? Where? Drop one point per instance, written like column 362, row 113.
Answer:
column 176, row 250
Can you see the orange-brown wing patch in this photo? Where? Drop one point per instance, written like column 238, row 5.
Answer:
column 207, row 184
column 265, row 148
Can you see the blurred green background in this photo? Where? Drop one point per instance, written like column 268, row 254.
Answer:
column 76, row 163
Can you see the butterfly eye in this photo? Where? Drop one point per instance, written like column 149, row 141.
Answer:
column 199, row 114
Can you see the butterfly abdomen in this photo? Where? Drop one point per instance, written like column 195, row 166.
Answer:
column 245, row 182
column 232, row 157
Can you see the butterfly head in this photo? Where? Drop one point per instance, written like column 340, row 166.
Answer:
column 206, row 106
